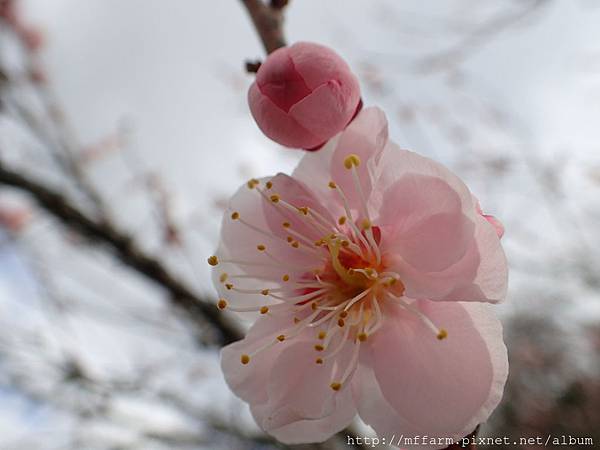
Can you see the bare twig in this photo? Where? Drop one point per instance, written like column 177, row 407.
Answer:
column 125, row 249
column 268, row 21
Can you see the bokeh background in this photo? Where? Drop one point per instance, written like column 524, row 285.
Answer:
column 148, row 101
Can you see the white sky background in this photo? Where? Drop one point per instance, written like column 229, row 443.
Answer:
column 517, row 117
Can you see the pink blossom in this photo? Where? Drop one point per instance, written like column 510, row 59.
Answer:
column 370, row 271
column 303, row 95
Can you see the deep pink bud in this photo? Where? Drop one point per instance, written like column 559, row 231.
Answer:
column 303, row 95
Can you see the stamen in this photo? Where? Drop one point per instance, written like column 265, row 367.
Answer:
column 340, row 347
column 357, row 298
column 245, row 359
column 301, row 298
column 235, row 215
column 223, row 277
column 336, row 386
column 440, row 333
column 352, row 364
column 213, row 260
column 252, row 183
column 352, row 160
column 222, row 304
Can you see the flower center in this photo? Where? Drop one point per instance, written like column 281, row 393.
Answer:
column 340, row 296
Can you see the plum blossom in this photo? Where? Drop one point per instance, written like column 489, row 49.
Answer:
column 369, row 271
column 304, row 95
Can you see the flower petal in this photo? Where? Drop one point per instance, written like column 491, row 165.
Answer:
column 327, row 108
column 247, row 381
column 481, row 275
column 301, row 403
column 366, row 137
column 296, row 194
column 442, row 387
column 277, row 124
column 424, row 223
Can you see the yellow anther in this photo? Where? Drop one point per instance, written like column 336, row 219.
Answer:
column 290, row 239
column 253, row 183
column 222, row 304
column 362, row 337
column 342, row 220
column 286, row 277
column 319, row 348
column 265, row 292
column 213, row 260
column 281, row 338
column 229, row 286
column 336, row 386
column 304, row 210
column 369, row 271
column 295, row 244
column 366, row 224
column 344, row 314
column 332, row 185
column 332, row 236
column 319, row 360
column 245, row 359
column 261, row 247
column 296, row 320
column 274, row 198
column 223, row 277
column 351, row 160
column 269, row 185
column 443, row 334
column 345, row 243
column 235, row 215
column 264, row 309
column 319, row 243
column 286, row 224
column 341, row 323
column 322, row 335
column 314, row 306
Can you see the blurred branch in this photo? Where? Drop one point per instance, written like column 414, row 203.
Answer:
column 268, row 21
column 125, row 249
column 480, row 36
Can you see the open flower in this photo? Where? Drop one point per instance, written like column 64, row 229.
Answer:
column 303, row 95
column 370, row 267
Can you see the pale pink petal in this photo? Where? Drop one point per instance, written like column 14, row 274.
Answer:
column 424, row 223
column 398, row 163
column 446, row 387
column 301, row 403
column 239, row 243
column 298, row 195
column 374, row 410
column 293, row 430
column 496, row 224
column 248, row 381
column 491, row 219
column 481, row 275
column 366, row 137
